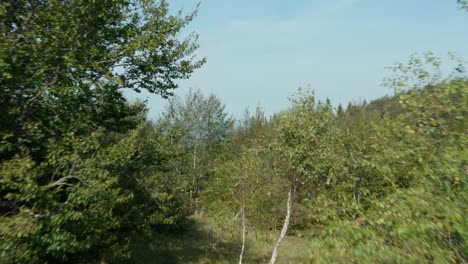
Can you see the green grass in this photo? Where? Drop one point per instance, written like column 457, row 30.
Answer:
column 199, row 245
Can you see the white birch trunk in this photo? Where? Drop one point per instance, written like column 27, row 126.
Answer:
column 243, row 236
column 291, row 194
column 243, row 220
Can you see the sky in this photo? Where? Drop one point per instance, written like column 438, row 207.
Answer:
column 260, row 51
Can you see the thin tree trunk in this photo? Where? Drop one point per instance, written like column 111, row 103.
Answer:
column 291, row 193
column 243, row 236
column 243, row 220
column 194, row 167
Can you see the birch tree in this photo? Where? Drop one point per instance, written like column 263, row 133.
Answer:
column 202, row 126
column 304, row 150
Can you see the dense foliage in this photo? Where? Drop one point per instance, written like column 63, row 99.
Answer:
column 85, row 176
column 81, row 170
column 379, row 182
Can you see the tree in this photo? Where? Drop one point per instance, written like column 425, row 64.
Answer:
column 81, row 169
column 63, row 64
column 249, row 127
column 420, row 154
column 305, row 150
column 203, row 127
column 339, row 110
column 463, row 4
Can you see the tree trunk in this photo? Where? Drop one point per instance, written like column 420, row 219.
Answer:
column 243, row 220
column 243, row 236
column 291, row 193
column 194, row 167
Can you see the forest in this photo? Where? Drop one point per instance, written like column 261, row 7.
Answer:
column 86, row 176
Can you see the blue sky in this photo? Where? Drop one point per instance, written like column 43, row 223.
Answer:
column 261, row 51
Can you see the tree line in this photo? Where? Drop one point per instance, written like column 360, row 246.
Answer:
column 84, row 172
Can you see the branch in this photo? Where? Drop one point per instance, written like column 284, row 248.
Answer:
column 36, row 215
column 62, row 181
column 236, row 216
